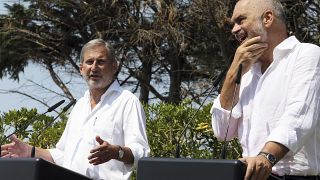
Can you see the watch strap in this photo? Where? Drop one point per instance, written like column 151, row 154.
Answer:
column 270, row 157
column 120, row 153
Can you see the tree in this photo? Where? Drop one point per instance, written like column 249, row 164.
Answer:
column 169, row 50
column 158, row 42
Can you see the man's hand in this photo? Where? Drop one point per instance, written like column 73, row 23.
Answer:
column 15, row 149
column 249, row 52
column 258, row 168
column 104, row 152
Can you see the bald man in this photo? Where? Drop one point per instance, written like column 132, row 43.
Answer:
column 275, row 110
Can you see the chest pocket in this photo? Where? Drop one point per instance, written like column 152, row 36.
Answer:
column 104, row 125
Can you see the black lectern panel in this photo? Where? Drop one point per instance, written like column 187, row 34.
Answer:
column 35, row 169
column 189, row 169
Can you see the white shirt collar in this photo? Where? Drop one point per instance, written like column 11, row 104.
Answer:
column 284, row 47
column 115, row 86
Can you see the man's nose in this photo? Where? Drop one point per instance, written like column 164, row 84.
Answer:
column 235, row 28
column 95, row 64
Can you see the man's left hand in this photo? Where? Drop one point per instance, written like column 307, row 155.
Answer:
column 258, row 168
column 104, row 152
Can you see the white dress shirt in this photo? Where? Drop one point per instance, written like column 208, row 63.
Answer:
column 118, row 119
column 280, row 105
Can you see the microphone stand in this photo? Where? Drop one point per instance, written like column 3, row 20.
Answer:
column 224, row 145
column 32, row 120
column 33, row 150
column 214, row 87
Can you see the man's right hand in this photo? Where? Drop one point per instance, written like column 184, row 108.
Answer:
column 248, row 53
column 16, row 148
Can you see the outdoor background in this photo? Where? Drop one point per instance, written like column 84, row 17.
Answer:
column 172, row 52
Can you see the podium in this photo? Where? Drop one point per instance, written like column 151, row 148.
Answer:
column 35, row 169
column 189, row 169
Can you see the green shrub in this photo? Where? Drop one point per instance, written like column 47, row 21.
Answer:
column 167, row 126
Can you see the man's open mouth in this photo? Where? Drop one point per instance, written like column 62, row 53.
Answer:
column 241, row 36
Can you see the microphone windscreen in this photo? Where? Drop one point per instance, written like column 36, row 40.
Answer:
column 69, row 105
column 55, row 106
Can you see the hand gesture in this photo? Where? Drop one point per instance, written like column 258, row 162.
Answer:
column 102, row 153
column 16, row 148
column 249, row 52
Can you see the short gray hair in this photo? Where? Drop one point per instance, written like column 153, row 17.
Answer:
column 98, row 42
column 278, row 10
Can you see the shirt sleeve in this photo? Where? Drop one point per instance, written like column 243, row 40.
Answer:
column 57, row 153
column 135, row 130
column 221, row 118
column 303, row 102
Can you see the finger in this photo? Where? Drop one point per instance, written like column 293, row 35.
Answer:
column 265, row 175
column 257, row 173
column 14, row 138
column 257, row 46
column 99, row 140
column 6, row 156
column 94, row 161
column 94, row 155
column 4, row 152
column 96, row 149
column 6, row 146
column 252, row 41
column 258, row 51
column 14, row 156
column 98, row 160
column 249, row 172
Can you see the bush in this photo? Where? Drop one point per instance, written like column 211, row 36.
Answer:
column 170, row 125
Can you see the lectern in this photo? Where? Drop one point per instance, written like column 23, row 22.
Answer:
column 189, row 169
column 35, row 169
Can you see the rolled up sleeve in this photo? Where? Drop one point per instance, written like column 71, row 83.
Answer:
column 220, row 120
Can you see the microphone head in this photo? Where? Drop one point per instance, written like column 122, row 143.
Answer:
column 55, row 106
column 71, row 103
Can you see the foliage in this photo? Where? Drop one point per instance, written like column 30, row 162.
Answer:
column 165, row 46
column 31, row 127
column 169, row 125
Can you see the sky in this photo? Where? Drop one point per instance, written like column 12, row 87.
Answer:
column 36, row 74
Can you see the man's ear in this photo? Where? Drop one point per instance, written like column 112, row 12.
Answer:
column 115, row 65
column 80, row 68
column 268, row 18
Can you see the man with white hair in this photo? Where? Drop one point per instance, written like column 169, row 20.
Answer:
column 106, row 132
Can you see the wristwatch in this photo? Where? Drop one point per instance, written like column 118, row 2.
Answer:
column 270, row 157
column 120, row 153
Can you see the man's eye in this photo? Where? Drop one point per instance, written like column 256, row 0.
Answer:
column 101, row 61
column 89, row 62
column 240, row 20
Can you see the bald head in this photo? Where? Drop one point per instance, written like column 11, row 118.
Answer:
column 260, row 6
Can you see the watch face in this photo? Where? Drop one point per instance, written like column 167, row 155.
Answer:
column 121, row 153
column 271, row 158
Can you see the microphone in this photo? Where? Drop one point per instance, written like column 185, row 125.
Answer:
column 71, row 103
column 239, row 74
column 55, row 106
column 223, row 154
column 33, row 120
column 214, row 87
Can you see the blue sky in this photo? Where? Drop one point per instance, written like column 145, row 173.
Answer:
column 36, row 74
